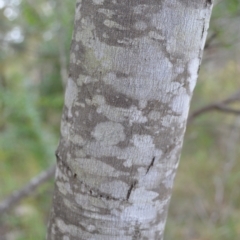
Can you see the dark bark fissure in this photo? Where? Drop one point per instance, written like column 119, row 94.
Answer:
column 133, row 185
column 199, row 67
column 98, row 194
column 151, row 165
column 203, row 30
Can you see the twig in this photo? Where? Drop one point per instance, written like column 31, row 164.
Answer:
column 210, row 40
column 27, row 190
column 218, row 106
column 223, row 108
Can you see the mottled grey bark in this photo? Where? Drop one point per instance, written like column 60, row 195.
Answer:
column 134, row 65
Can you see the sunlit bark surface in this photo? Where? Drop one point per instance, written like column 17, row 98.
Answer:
column 134, row 65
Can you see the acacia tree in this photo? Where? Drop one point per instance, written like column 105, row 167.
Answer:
column 133, row 68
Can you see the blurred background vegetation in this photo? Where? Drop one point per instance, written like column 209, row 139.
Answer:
column 35, row 38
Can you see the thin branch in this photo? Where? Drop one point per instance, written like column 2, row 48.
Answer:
column 223, row 108
column 209, row 41
column 218, row 106
column 27, row 190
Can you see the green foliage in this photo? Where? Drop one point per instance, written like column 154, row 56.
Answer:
column 31, row 100
column 230, row 8
column 225, row 22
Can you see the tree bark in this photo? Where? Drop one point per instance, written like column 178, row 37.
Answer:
column 133, row 68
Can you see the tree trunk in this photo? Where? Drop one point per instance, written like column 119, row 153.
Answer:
column 134, row 65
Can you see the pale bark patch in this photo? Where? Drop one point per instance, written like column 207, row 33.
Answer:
column 94, row 167
column 155, row 35
column 139, row 212
column 141, row 26
column 70, row 95
column 109, row 13
column 117, row 114
column 109, row 133
column 193, row 66
column 60, row 175
column 139, row 9
column 73, row 58
column 117, row 189
column 142, row 103
column 78, row 140
column 180, row 105
column 89, row 203
column 169, row 178
column 112, row 24
column 64, row 188
column 168, row 119
column 154, row 115
column 142, row 196
column 68, row 228
column 129, row 156
column 98, row 2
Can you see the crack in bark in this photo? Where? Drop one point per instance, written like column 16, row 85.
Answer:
column 91, row 191
column 130, row 189
column 203, row 30
column 98, row 194
column 151, row 165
